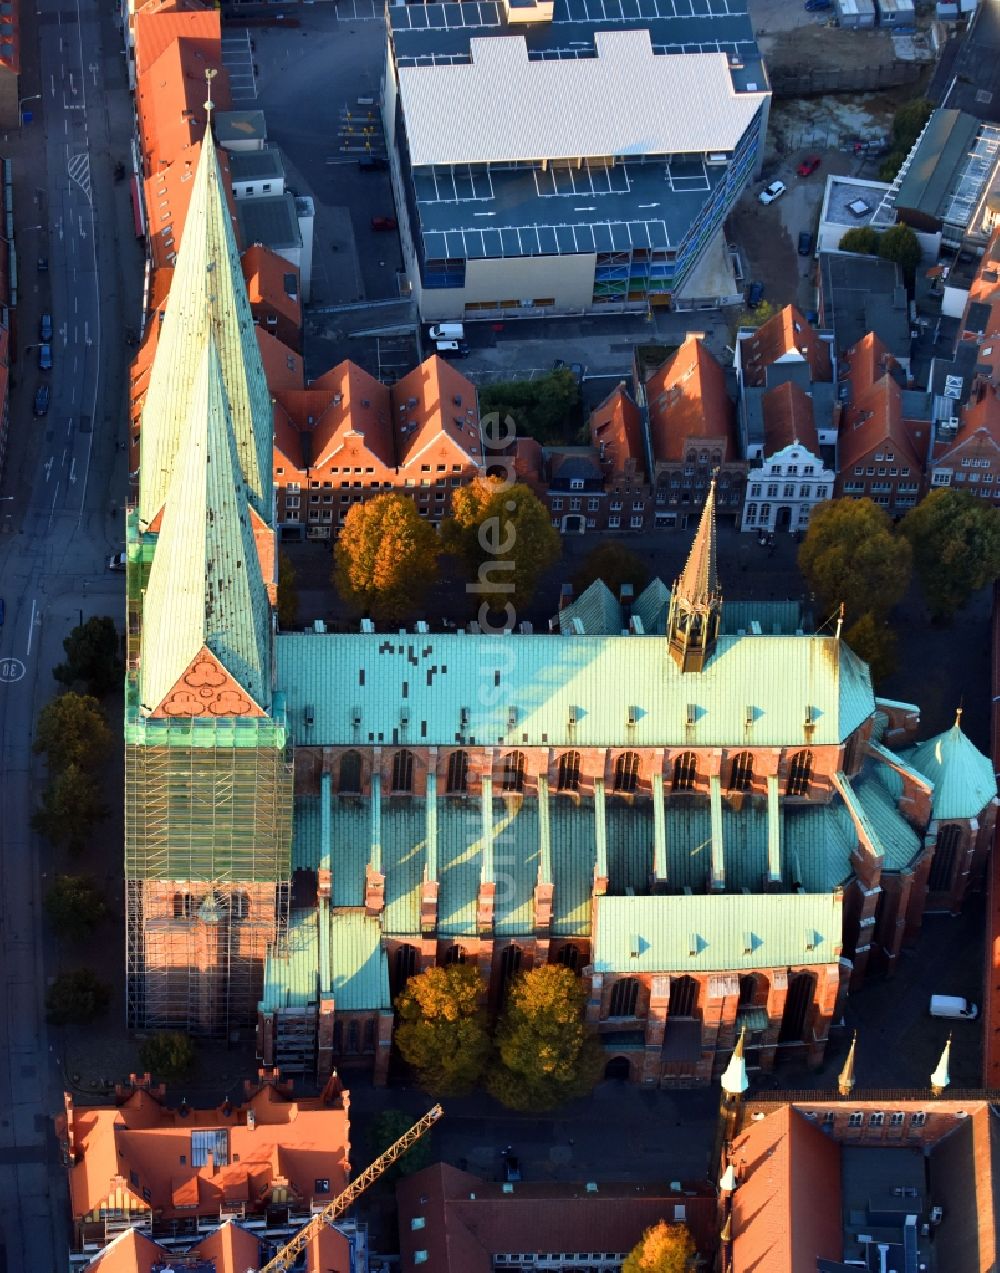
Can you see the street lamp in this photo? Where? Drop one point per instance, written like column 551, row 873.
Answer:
column 32, row 97
column 24, row 230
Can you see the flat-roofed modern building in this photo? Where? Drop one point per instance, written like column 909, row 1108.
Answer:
column 564, row 157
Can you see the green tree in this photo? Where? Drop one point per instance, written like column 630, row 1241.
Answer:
column 386, row 557
column 547, row 408
column 506, row 537
column 74, row 906
column 385, row 1129
column 71, row 808
column 956, row 548
column 861, row 239
column 76, row 997
column 288, row 593
column 71, row 730
column 442, row 1028
column 907, row 126
column 901, row 245
column 663, row 1248
column 168, row 1055
column 874, row 641
column 616, row 565
column 92, row 656
column 546, row 1053
column 851, row 555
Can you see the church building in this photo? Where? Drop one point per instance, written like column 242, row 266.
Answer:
column 698, row 805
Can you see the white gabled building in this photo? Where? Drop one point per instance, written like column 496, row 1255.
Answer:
column 789, row 476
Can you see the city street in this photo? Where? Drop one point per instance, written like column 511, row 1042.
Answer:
column 62, row 493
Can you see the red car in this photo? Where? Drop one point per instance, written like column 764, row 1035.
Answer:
column 809, row 165
column 383, row 223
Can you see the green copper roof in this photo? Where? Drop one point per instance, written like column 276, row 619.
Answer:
column 208, row 298
column 359, row 969
column 205, row 585
column 716, row 933
column 359, row 966
column 963, row 778
column 599, row 613
column 426, row 689
column 290, row 973
column 893, row 834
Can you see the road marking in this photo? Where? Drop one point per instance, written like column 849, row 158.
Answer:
column 76, row 304
column 72, row 470
column 12, row 669
column 31, row 626
column 47, row 466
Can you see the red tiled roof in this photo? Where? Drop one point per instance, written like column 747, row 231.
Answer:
column 787, row 335
column 468, row 1220
column 617, row 425
column 170, row 99
column 157, row 25
column 265, row 273
column 438, row 400
column 688, row 400
column 282, row 366
column 145, row 1148
column 787, row 1208
column 875, row 414
column 788, row 419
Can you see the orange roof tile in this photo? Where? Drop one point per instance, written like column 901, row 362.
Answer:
column 788, row 334
column 468, row 1220
column 787, row 1209
column 130, row 1252
column 438, row 400
column 688, row 400
column 170, row 99
column 152, row 1147
column 616, row 430
column 873, row 418
column 282, row 366
column 265, row 273
column 156, row 26
column 344, row 406
column 788, row 419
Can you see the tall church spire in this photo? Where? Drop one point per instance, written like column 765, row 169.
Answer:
column 206, row 619
column 208, row 297
column 696, row 601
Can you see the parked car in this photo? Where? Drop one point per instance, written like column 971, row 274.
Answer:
column 452, row 348
column 755, row 294
column 373, row 163
column 871, row 146
column 45, row 327
column 805, row 243
column 383, row 223
column 577, row 368
column 43, row 264
column 45, row 357
column 809, row 165
column 774, row 191
column 42, row 400
column 953, row 1006
column 116, row 561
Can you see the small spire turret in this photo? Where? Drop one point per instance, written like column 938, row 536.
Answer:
column 696, row 601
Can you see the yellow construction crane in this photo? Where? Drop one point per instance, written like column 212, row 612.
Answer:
column 289, row 1253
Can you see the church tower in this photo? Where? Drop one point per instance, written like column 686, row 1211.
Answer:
column 208, row 785
column 696, row 601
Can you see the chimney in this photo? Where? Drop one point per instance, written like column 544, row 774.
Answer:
column 565, row 595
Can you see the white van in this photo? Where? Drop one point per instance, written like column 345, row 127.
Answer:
column 447, row 331
column 954, row 1007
